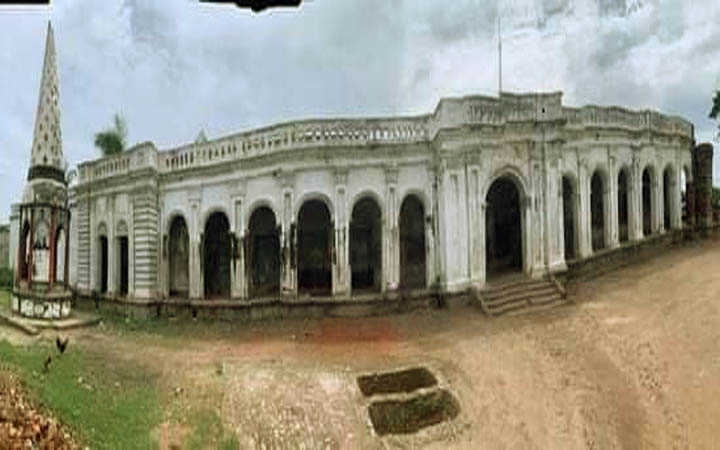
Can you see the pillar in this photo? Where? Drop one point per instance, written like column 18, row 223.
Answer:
column 288, row 240
column 195, row 288
column 635, row 214
column 391, row 232
column 238, row 280
column 612, row 233
column 340, row 260
column 583, row 215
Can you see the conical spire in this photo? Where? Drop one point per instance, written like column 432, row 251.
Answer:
column 47, row 139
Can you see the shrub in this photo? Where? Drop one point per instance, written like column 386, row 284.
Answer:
column 6, row 278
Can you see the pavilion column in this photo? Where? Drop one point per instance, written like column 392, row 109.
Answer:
column 66, row 266
column 20, row 259
column 52, row 241
column 340, row 260
column 31, row 253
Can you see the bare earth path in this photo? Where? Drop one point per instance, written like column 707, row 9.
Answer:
column 635, row 363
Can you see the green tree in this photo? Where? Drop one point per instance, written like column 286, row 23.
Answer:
column 715, row 112
column 112, row 140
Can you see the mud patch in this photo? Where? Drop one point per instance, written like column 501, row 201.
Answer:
column 410, row 416
column 405, row 381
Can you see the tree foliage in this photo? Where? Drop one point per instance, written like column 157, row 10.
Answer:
column 112, row 140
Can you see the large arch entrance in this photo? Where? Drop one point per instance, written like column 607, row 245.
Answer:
column 216, row 256
column 263, row 253
column 623, row 205
column 59, row 255
column 647, row 201
column 668, row 204
column 103, row 263
column 569, row 225
column 366, row 245
column 503, row 228
column 314, row 248
column 597, row 210
column 412, row 244
column 178, row 258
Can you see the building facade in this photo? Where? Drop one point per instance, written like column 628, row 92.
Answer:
column 343, row 208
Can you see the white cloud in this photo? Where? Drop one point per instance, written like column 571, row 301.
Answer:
column 175, row 68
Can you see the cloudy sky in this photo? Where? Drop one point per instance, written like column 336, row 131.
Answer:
column 175, row 67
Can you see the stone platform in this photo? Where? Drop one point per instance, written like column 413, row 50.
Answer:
column 36, row 326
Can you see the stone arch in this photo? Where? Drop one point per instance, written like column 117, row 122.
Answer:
column 569, row 196
column 413, row 245
column 599, row 207
column 686, row 194
column 178, row 254
column 315, row 245
column 514, row 174
column 213, row 210
column 262, row 202
column 262, row 251
column 102, row 261
column 648, row 183
column 505, row 224
column 365, row 246
column 314, row 195
column 624, row 192
column 59, row 253
column 367, row 193
column 669, row 202
column 216, row 255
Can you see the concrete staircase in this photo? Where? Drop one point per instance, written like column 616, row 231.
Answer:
column 519, row 296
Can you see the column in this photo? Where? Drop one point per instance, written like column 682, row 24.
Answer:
column 635, row 218
column 238, row 281
column 195, row 270
column 391, row 233
column 612, row 229
column 288, row 241
column 340, row 262
column 66, row 266
column 53, row 248
column 584, row 232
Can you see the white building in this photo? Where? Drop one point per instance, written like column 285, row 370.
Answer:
column 344, row 210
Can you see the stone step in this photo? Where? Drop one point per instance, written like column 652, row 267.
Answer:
column 519, row 293
column 510, row 288
column 524, row 303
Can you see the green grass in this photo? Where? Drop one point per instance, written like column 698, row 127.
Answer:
column 207, row 428
column 81, row 391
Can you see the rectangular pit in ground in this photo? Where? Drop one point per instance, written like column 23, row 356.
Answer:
column 410, row 416
column 403, row 381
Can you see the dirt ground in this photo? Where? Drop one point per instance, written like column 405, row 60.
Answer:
column 634, row 363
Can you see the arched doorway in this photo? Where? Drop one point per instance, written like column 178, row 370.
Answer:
column 216, row 256
column 263, row 253
column 412, row 244
column 623, row 205
column 647, row 201
column 366, row 245
column 103, row 263
column 503, row 228
column 178, row 258
column 597, row 210
column 569, row 225
column 668, row 196
column 314, row 255
column 123, row 261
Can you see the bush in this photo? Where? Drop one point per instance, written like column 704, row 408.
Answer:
column 6, row 278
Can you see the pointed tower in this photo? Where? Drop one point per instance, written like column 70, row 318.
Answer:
column 46, row 160
column 39, row 291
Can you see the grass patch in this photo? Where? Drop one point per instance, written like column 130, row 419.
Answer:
column 209, row 432
column 402, row 381
column 107, row 404
column 409, row 416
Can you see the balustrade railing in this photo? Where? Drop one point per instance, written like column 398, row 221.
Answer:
column 359, row 132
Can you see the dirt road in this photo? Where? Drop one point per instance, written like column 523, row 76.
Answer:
column 634, row 363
